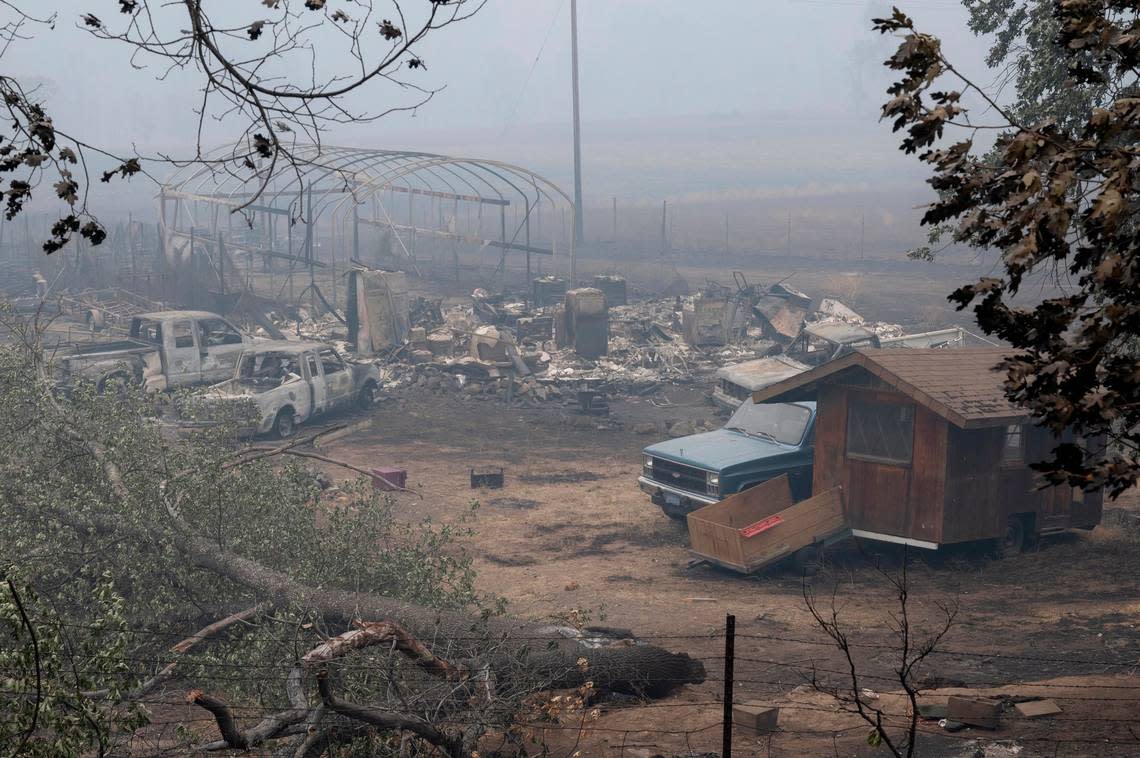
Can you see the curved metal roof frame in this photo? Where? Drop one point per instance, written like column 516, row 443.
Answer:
column 332, row 170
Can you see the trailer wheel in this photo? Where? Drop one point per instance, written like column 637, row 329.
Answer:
column 1015, row 539
column 284, row 425
column 807, row 560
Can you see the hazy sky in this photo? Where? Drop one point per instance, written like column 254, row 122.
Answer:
column 679, row 98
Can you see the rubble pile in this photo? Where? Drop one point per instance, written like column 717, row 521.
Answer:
column 834, row 312
column 645, row 351
column 559, row 341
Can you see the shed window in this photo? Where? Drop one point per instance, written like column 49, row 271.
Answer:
column 880, row 431
column 1014, row 450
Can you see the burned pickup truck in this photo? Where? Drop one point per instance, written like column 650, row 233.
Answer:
column 288, row 383
column 165, row 349
column 759, row 442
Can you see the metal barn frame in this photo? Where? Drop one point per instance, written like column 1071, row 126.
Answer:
column 343, row 192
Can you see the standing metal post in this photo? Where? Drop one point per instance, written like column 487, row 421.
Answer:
column 529, row 280
column 310, row 244
column 134, row 249
column 578, row 234
column 292, row 261
column 503, row 239
column 221, row 265
column 573, row 263
column 355, row 232
column 195, row 268
column 729, row 657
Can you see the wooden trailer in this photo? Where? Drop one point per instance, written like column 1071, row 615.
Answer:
column 761, row 525
column 928, row 450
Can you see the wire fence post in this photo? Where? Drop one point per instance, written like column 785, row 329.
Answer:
column 729, row 655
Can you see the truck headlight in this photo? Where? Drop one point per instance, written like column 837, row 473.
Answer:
column 712, row 483
column 649, row 461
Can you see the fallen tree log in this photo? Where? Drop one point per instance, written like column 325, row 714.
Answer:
column 523, row 647
column 515, row 649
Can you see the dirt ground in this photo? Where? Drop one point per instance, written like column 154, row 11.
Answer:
column 571, row 536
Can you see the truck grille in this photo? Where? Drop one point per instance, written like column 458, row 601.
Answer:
column 679, row 475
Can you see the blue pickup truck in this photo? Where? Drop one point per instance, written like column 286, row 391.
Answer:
column 759, row 442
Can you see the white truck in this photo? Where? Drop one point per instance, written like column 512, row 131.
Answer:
column 291, row 382
column 165, row 349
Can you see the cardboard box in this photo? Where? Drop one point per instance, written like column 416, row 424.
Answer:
column 974, row 711
column 388, row 479
column 754, row 717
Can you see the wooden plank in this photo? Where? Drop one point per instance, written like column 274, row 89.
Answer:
column 1037, row 708
column 830, row 437
column 975, row 490
column 928, row 477
column 877, row 496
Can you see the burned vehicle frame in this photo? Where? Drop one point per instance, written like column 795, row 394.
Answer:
column 289, row 383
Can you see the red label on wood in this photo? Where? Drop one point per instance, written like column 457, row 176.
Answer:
column 761, row 526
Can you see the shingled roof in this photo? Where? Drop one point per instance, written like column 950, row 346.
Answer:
column 960, row 385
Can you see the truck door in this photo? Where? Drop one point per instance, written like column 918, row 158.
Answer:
column 317, row 382
column 338, row 379
column 183, row 362
column 220, row 346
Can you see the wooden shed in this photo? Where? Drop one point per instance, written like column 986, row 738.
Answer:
column 928, row 450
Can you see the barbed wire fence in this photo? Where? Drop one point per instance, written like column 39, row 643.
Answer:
column 697, row 719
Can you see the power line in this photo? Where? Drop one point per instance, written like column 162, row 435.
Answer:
column 533, row 65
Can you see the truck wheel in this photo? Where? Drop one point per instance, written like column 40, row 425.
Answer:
column 807, row 560
column 115, row 384
column 367, row 396
column 283, row 425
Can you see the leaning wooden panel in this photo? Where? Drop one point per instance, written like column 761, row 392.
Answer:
column 746, row 534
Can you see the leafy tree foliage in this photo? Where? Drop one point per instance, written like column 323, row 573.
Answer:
column 1052, row 196
column 1027, row 55
column 47, row 662
column 106, row 590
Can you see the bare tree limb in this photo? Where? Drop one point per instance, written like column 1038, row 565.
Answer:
column 451, row 746
column 27, row 733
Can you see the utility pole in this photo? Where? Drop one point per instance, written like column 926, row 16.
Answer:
column 578, row 234
column 862, row 233
column 789, row 234
column 724, row 258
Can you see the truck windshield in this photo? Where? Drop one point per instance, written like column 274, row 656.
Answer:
column 781, row 422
